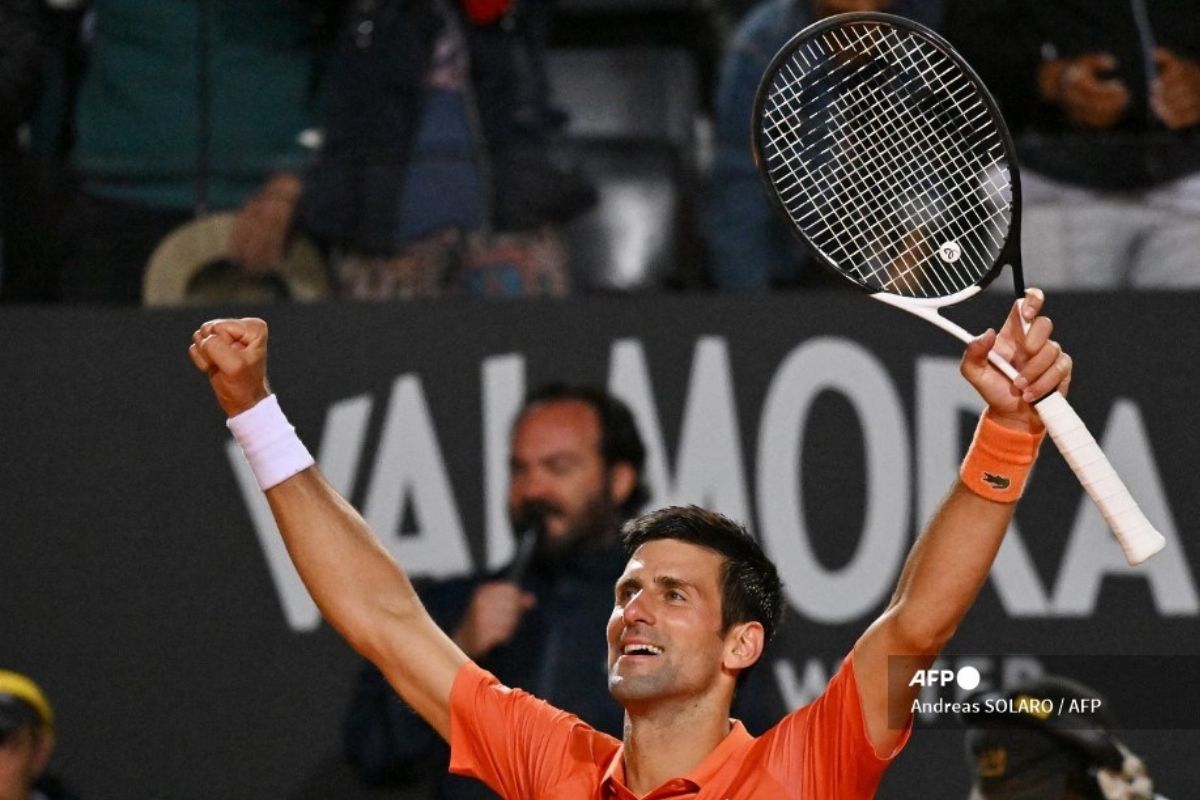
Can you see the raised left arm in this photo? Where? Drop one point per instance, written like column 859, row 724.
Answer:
column 950, row 561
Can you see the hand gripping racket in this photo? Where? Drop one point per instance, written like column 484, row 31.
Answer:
column 889, row 156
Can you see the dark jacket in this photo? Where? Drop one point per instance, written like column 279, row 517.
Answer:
column 377, row 102
column 20, row 60
column 1006, row 41
column 53, row 789
column 21, row 49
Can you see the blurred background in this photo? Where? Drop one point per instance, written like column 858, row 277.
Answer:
column 440, row 204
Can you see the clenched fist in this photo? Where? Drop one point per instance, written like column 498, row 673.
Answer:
column 1024, row 341
column 233, row 352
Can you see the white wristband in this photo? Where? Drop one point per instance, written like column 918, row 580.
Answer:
column 270, row 443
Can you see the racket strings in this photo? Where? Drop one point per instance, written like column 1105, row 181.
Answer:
column 889, row 156
column 988, row 140
column 899, row 156
column 950, row 165
column 884, row 155
column 916, row 205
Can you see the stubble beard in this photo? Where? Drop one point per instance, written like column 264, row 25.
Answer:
column 639, row 688
column 595, row 523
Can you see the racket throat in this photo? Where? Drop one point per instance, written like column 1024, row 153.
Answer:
column 927, row 309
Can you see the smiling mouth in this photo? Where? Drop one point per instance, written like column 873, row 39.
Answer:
column 641, row 650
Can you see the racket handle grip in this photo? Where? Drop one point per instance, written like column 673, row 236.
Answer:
column 1133, row 531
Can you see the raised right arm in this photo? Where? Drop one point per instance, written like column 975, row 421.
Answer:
column 355, row 582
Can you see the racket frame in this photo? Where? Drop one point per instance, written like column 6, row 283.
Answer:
column 1137, row 537
column 1008, row 255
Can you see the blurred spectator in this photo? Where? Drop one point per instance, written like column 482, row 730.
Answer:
column 185, row 108
column 752, row 249
column 26, row 741
column 1025, row 754
column 40, row 60
column 20, row 69
column 435, row 176
column 1104, row 101
column 20, row 61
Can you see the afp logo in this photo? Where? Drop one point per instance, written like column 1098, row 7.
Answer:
column 967, row 678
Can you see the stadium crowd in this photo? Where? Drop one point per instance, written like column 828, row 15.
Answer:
column 364, row 149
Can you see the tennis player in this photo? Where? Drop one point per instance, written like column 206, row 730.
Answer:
column 693, row 611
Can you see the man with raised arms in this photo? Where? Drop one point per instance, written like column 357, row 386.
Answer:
column 693, row 610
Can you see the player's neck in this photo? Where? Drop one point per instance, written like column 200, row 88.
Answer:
column 670, row 742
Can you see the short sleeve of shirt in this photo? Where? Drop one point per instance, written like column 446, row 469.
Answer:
column 520, row 746
column 823, row 751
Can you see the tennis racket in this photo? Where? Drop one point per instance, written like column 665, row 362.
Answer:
column 889, row 157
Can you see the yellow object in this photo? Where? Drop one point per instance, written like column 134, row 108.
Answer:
column 19, row 686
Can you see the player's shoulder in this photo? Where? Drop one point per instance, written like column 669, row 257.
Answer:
column 488, row 702
column 840, row 696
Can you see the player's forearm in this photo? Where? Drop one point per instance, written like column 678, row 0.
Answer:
column 365, row 594
column 354, row 581
column 951, row 559
column 944, row 572
column 946, row 568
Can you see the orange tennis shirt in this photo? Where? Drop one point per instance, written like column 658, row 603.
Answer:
column 526, row 749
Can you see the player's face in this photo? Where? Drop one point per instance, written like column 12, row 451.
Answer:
column 556, row 461
column 22, row 758
column 664, row 635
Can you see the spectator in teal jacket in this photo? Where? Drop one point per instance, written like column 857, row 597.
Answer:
column 187, row 106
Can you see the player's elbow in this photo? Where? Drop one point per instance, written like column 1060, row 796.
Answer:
column 917, row 631
column 379, row 635
column 371, row 628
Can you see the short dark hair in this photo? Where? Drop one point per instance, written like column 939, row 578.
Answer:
column 620, row 440
column 750, row 587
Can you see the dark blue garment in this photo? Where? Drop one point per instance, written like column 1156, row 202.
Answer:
column 443, row 187
column 752, row 249
column 402, row 159
column 558, row 654
column 372, row 117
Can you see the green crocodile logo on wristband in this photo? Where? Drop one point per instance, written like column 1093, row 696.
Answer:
column 998, row 482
